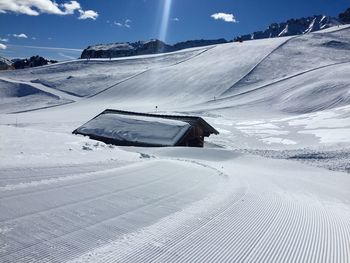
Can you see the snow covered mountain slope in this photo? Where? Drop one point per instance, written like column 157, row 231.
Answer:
column 273, row 186
column 21, row 97
column 319, row 89
column 86, row 78
column 298, row 55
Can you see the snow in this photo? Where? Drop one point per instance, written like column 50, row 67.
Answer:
column 273, row 186
column 271, row 140
column 87, row 78
column 328, row 136
column 149, row 130
column 18, row 96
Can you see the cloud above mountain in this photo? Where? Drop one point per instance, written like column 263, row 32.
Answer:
column 22, row 35
column 126, row 23
column 71, row 7
column 225, row 17
column 37, row 7
column 88, row 14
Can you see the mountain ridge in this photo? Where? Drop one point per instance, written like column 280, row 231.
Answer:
column 153, row 46
column 291, row 27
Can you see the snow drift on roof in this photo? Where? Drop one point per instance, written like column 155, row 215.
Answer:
column 149, row 130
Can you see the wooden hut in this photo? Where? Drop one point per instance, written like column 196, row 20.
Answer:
column 146, row 130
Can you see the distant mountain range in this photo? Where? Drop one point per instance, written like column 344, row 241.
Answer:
column 153, row 46
column 34, row 61
column 290, row 28
column 293, row 27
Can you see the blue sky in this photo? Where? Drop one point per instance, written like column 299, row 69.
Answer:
column 73, row 25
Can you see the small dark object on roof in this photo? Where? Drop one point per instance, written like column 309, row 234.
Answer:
column 126, row 128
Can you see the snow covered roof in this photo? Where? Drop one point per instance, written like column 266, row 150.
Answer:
column 141, row 129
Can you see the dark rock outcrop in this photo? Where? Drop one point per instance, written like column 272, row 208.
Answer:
column 127, row 49
column 198, row 43
column 34, row 61
column 293, row 27
column 5, row 64
column 153, row 46
column 345, row 16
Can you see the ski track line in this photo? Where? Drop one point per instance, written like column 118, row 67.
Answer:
column 283, row 229
column 13, row 175
column 63, row 177
column 152, row 252
column 190, row 253
column 82, row 236
column 281, row 80
column 150, row 240
column 257, row 65
column 149, row 254
column 145, row 71
column 70, row 184
column 263, row 247
column 42, row 108
column 90, row 198
column 293, row 232
column 43, row 88
column 177, row 193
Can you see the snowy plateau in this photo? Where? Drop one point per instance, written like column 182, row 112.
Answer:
column 273, row 186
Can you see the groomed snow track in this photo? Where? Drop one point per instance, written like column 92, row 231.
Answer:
column 154, row 212
column 245, row 223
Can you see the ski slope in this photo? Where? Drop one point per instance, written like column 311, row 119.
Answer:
column 273, row 186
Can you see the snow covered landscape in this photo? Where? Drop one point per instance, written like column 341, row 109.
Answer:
column 273, row 186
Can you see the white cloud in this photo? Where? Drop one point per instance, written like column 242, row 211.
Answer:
column 20, row 35
column 2, row 46
column 62, row 49
column 37, row 7
column 126, row 23
column 225, row 17
column 30, row 7
column 88, row 14
column 66, row 56
column 4, row 39
column 71, row 7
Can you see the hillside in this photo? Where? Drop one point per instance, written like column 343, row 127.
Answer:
column 271, row 187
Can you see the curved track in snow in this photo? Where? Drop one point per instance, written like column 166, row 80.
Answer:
column 255, row 66
column 274, row 83
column 255, row 218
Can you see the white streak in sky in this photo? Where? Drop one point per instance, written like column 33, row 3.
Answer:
column 165, row 20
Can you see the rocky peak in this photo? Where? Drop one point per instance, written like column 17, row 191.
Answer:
column 293, row 27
